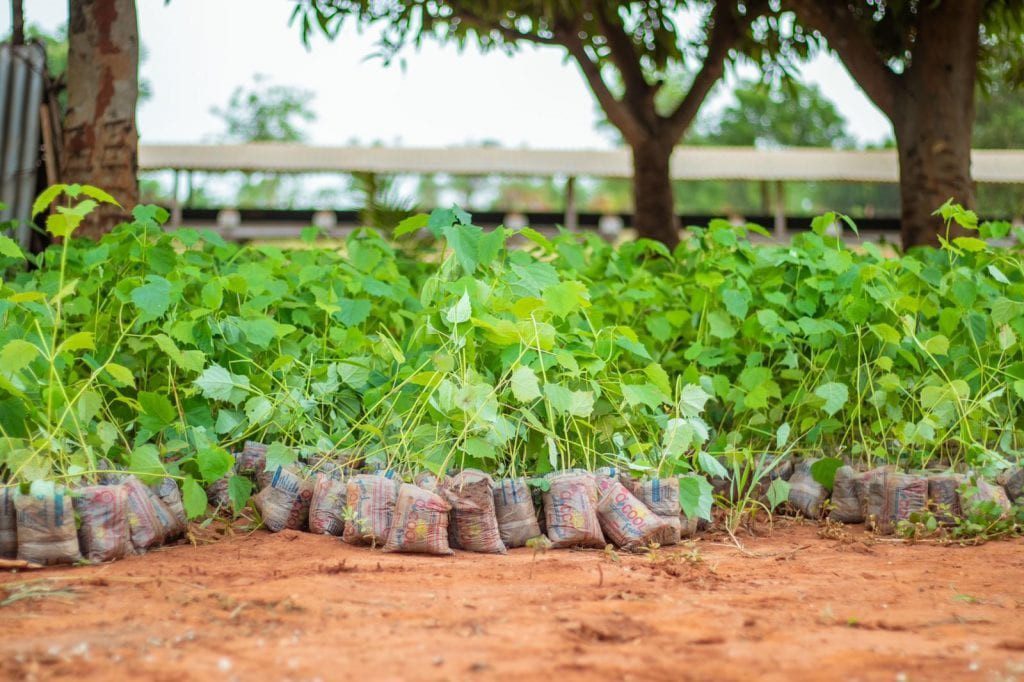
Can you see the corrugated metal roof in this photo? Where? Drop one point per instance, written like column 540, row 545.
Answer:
column 22, row 71
column 688, row 163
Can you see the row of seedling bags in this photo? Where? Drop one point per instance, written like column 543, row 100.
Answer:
column 466, row 510
column 882, row 497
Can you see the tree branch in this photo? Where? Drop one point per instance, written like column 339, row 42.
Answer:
column 838, row 25
column 639, row 94
column 616, row 110
column 482, row 25
column 725, row 31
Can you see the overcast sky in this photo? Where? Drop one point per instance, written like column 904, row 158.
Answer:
column 200, row 50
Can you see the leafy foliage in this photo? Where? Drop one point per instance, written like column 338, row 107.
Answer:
column 162, row 352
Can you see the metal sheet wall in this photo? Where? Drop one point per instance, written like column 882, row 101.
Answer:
column 22, row 71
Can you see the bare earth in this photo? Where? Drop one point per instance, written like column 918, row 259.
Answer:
column 300, row 607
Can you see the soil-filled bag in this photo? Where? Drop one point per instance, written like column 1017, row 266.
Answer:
column 169, row 493
column 217, row 493
column 147, row 515
column 252, row 460
column 473, row 525
column 1012, row 481
column 371, row 504
column 420, row 522
column 625, row 520
column 846, row 506
column 513, row 507
column 661, row 496
column 872, row 498
column 327, row 506
column 985, row 492
column 426, row 480
column 806, row 495
column 944, row 497
column 687, row 526
column 104, row 534
column 902, row 495
column 284, row 503
column 8, row 524
column 46, row 528
column 570, row 510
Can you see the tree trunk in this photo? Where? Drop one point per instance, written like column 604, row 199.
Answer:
column 654, row 215
column 17, row 23
column 100, row 138
column 933, row 119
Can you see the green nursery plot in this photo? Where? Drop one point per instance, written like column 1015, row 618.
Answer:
column 451, row 346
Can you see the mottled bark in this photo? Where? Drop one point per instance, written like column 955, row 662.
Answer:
column 100, row 138
column 933, row 117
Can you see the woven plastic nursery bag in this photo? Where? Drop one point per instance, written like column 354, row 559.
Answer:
column 420, row 522
column 146, row 521
column 1012, row 481
column 473, row 524
column 846, row 506
column 284, row 502
column 806, row 495
column 902, row 495
column 104, row 534
column 661, row 496
column 570, row 510
column 944, row 496
column 514, row 510
column 252, row 460
column 327, row 506
column 46, row 526
column 169, row 493
column 8, row 524
column 371, row 505
column 980, row 490
column 625, row 520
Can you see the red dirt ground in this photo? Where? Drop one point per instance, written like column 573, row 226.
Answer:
column 295, row 606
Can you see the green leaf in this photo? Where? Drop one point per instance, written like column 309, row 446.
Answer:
column 777, row 493
column 937, row 345
column 77, row 341
column 565, row 401
column 158, row 408
column 152, row 298
column 696, row 497
column 145, row 463
column 121, row 375
column 824, row 470
column 214, row 463
column 565, row 298
column 10, row 248
column 239, row 490
column 643, row 394
column 971, row 244
column 194, row 498
column 46, row 198
column 217, row 383
column 411, row 224
column 692, row 400
column 17, row 355
column 258, row 410
column 278, row 455
column 834, row 394
column 711, row 465
column 460, row 312
column 525, row 386
column 782, row 435
column 212, row 294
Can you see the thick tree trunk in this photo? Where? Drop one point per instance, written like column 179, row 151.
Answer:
column 100, row 138
column 933, row 118
column 654, row 214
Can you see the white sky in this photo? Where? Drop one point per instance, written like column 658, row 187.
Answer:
column 200, row 50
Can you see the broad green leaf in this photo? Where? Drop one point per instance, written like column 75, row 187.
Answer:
column 278, row 455
column 145, row 463
column 692, row 400
column 17, row 355
column 121, row 375
column 835, row 396
column 411, row 224
column 460, row 312
column 10, row 248
column 77, row 341
column 695, row 497
column 643, row 394
column 824, row 470
column 214, row 463
column 239, row 490
column 258, row 409
column 565, row 298
column 194, row 498
column 152, row 298
column 777, row 493
column 565, row 401
column 525, row 386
